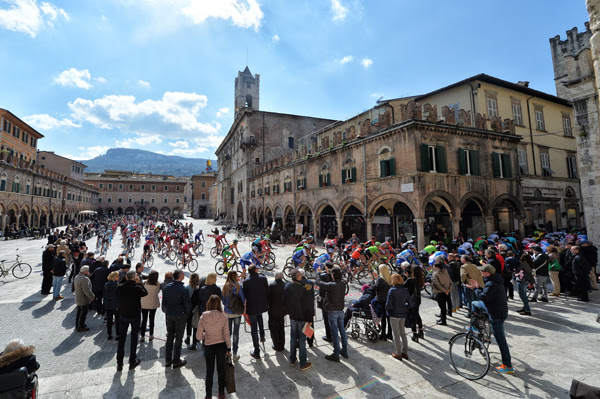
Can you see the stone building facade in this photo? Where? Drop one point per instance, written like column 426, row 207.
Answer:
column 39, row 197
column 17, row 138
column 64, row 166
column 201, row 205
column 123, row 192
column 576, row 75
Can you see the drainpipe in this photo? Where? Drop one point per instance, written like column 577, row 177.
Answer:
column 531, row 137
column 472, row 98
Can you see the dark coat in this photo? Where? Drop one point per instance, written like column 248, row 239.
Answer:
column 99, row 277
column 293, row 295
column 22, row 357
column 590, row 253
column 275, row 299
column 397, row 299
column 540, row 265
column 493, row 295
column 581, row 266
column 206, row 292
column 110, row 296
column 381, row 288
column 129, row 295
column 256, row 288
column 59, row 266
column 455, row 272
column 334, row 293
column 47, row 260
column 497, row 265
column 308, row 299
column 176, row 299
column 411, row 286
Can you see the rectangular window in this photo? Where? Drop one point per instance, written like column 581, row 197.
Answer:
column 433, row 158
column 290, row 142
column 143, row 187
column 539, row 120
column 165, row 200
column 178, row 188
column 120, row 187
column 109, row 199
column 387, row 167
column 523, row 162
column 120, row 200
column 130, row 200
column 324, row 180
column 153, row 200
column 501, row 165
column 166, row 188
column 572, row 167
column 7, row 126
column 492, row 106
column 203, row 195
column 99, row 199
column 131, row 186
column 257, row 160
column 27, row 189
column 203, row 184
column 100, row 185
column 110, row 186
column 567, row 126
column 153, row 187
column 517, row 114
column 468, row 162
column 545, row 160
column 349, row 175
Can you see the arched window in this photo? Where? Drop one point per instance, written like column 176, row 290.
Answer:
column 301, row 181
column 387, row 164
column 28, row 187
column 324, row 177
column 348, row 171
column 16, row 187
column 248, row 101
column 276, row 186
column 3, row 180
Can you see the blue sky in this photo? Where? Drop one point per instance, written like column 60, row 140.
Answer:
column 159, row 74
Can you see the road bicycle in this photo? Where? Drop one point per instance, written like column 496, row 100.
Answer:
column 469, row 354
column 183, row 261
column 232, row 265
column 19, row 269
column 198, row 247
column 147, row 260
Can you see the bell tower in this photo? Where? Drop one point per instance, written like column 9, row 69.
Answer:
column 247, row 90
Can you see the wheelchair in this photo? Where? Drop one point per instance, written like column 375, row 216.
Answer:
column 19, row 384
column 370, row 329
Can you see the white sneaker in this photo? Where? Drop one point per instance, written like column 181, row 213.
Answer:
column 236, row 357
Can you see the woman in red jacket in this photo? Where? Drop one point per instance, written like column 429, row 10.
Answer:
column 213, row 328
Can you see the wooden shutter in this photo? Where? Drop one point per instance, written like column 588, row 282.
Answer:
column 343, row 176
column 462, row 162
column 392, row 166
column 425, row 158
column 382, row 167
column 474, row 160
column 353, row 174
column 496, row 164
column 506, row 166
column 328, row 179
column 440, row 153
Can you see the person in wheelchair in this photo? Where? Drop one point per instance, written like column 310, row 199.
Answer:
column 362, row 303
column 17, row 355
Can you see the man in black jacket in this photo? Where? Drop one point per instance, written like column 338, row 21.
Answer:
column 99, row 277
column 581, row 270
column 59, row 269
column 590, row 253
column 256, row 288
column 297, row 306
column 130, row 291
column 335, row 293
column 47, row 259
column 277, row 312
column 177, row 304
column 540, row 267
column 322, row 299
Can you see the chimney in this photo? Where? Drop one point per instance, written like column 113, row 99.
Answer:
column 523, row 83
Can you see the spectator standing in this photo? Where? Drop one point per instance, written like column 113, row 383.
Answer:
column 111, row 301
column 382, row 286
column 277, row 313
column 554, row 268
column 397, row 307
column 231, row 289
column 193, row 288
column 297, row 307
column 540, row 268
column 454, row 264
column 581, row 270
column 130, row 291
column 468, row 272
column 177, row 305
column 442, row 285
column 325, row 277
column 47, row 260
column 414, row 283
column 59, row 269
column 335, row 293
column 590, row 253
column 150, row 303
column 256, row 289
column 524, row 277
column 214, row 331
column 83, row 297
column 99, row 277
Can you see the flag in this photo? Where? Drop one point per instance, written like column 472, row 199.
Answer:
column 208, row 165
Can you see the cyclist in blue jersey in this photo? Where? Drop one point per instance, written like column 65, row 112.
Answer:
column 320, row 261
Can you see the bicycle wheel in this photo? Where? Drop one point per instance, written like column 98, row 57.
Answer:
column 214, row 252
column 287, row 272
column 192, row 265
column 219, row 268
column 21, row 270
column 172, row 255
column 361, row 277
column 132, row 252
column 150, row 261
column 269, row 262
column 469, row 356
column 200, row 248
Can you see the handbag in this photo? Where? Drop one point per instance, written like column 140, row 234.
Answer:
column 236, row 305
column 409, row 322
column 229, row 375
column 196, row 316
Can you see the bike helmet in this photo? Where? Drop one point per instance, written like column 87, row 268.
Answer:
column 235, row 241
column 330, row 250
column 433, row 242
column 255, row 249
column 377, row 243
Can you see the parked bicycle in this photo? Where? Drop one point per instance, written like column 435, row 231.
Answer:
column 19, row 269
column 469, row 354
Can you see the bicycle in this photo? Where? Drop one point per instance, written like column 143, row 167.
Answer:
column 232, row 266
column 19, row 269
column 182, row 262
column 198, row 247
column 468, row 351
column 147, row 260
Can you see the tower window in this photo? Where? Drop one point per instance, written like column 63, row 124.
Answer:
column 249, row 101
column 248, row 85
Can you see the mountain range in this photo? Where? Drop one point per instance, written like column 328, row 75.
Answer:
column 142, row 161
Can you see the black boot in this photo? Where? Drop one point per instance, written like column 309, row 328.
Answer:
column 415, row 337
column 421, row 334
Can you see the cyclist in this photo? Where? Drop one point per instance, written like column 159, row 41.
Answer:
column 148, row 245
column 431, row 248
column 186, row 252
column 219, row 239
column 248, row 259
column 199, row 237
column 407, row 256
column 372, row 253
column 357, row 255
column 467, row 246
column 321, row 260
column 299, row 258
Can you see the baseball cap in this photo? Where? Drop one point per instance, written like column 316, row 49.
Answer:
column 487, row 268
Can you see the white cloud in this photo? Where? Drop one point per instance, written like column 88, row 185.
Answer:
column 243, row 13
column 188, row 152
column 346, row 59
column 100, row 80
column 29, row 17
column 175, row 115
column 338, row 10
column 222, row 111
column 366, row 62
column 275, row 39
column 180, row 144
column 47, row 122
column 91, row 152
column 74, row 78
column 209, row 141
column 376, row 95
column 144, row 84
column 140, row 140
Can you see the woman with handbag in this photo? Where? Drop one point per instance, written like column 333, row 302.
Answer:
column 441, row 285
column 396, row 308
column 233, row 301
column 194, row 290
column 150, row 303
column 213, row 329
column 415, row 283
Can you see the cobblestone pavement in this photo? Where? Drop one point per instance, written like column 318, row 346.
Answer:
column 549, row 349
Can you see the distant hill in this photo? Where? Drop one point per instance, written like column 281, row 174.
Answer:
column 147, row 162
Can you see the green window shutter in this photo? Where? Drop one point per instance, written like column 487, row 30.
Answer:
column 462, row 162
column 440, row 153
column 496, row 164
column 392, row 165
column 297, row 183
column 353, row 173
column 474, row 160
column 343, row 176
column 328, row 179
column 506, row 166
column 425, row 158
column 320, row 180
column 382, row 169
column 304, row 182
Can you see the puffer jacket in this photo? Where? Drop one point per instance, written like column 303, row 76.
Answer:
column 213, row 328
column 493, row 295
column 334, row 292
column 441, row 282
column 396, row 304
column 109, row 296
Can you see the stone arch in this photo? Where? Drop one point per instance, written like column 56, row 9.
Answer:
column 476, row 197
column 509, row 198
column 351, row 201
column 503, row 217
column 442, row 197
column 289, row 217
column 324, row 203
column 327, row 219
column 390, row 199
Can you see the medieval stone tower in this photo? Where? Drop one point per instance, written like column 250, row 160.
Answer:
column 576, row 81
column 247, row 90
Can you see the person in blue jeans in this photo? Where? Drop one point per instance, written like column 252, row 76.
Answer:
column 298, row 307
column 492, row 299
column 334, row 293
